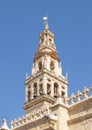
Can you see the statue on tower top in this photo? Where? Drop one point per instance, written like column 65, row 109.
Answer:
column 46, row 22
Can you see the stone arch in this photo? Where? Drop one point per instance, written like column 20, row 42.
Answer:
column 52, row 65
column 62, row 94
column 40, row 65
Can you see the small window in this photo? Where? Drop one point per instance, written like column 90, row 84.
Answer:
column 63, row 87
column 40, row 65
column 48, row 79
column 50, row 40
column 62, row 94
column 40, row 80
column 52, row 65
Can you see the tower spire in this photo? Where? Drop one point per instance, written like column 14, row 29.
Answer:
column 46, row 22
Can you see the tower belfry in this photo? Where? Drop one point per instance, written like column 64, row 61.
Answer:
column 46, row 83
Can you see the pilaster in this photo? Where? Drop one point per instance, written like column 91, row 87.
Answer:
column 44, row 85
column 38, row 88
column 32, row 92
column 52, row 89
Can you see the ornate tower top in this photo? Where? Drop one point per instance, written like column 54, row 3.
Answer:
column 47, row 82
column 47, row 43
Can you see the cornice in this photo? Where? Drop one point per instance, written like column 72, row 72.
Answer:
column 80, row 118
column 53, row 54
column 38, row 100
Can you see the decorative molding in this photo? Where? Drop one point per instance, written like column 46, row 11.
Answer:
column 80, row 96
column 28, row 118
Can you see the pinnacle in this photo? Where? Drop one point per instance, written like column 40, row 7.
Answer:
column 4, row 125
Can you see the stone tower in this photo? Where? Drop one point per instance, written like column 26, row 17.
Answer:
column 46, row 83
column 47, row 105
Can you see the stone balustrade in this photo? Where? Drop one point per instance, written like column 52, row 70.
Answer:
column 86, row 93
column 33, row 116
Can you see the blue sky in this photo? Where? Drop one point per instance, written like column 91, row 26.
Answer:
column 21, row 22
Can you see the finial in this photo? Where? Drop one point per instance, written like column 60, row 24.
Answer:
column 60, row 63
column 46, row 22
column 26, row 75
column 66, row 75
column 4, row 125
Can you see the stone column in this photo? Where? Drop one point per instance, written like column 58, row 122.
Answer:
column 59, row 90
column 38, row 88
column 42, row 62
column 45, row 85
column 36, row 67
column 45, row 63
column 26, row 94
column 32, row 92
column 48, row 63
column 66, row 90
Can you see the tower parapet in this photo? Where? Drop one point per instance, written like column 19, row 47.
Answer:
column 33, row 116
column 80, row 96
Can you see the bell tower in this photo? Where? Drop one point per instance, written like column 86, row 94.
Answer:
column 47, row 82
